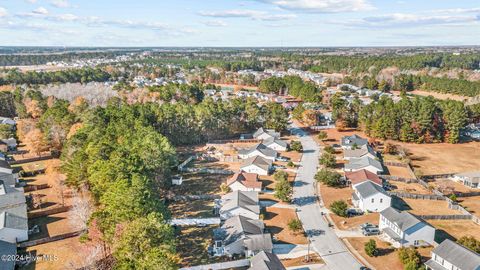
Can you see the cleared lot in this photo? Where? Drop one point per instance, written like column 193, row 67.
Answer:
column 276, row 220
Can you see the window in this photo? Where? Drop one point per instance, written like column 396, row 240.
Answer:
column 381, row 200
column 416, row 243
column 373, row 200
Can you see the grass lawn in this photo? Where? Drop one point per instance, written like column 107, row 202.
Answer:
column 455, row 229
column 196, row 184
column 424, row 207
column 400, row 172
column 276, row 220
column 314, row 259
column 388, row 256
column 416, row 188
column 472, row 204
column 354, row 222
column 192, row 246
column 191, row 209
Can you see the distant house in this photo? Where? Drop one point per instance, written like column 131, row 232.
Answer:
column 266, row 261
column 360, row 176
column 262, row 134
column 5, row 167
column 349, row 142
column 13, row 211
column 244, row 181
column 276, row 144
column 7, row 249
column 13, row 228
column 365, row 151
column 370, row 197
column 177, row 180
column 450, row 255
column 258, row 150
column 11, row 144
column 364, row 163
column 258, row 165
column 7, row 121
column 469, row 179
column 241, row 236
column 240, row 203
column 404, row 229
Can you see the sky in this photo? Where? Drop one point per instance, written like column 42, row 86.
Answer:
column 245, row 23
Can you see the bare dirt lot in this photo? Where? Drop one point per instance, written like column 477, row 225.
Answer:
column 443, row 158
column 388, row 256
column 354, row 222
column 276, row 220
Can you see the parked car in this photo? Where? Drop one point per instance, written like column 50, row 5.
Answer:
column 371, row 231
column 367, row 225
column 279, row 167
column 354, row 212
column 283, row 159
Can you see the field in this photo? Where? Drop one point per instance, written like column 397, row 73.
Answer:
column 472, row 204
column 424, row 207
column 276, row 220
column 443, row 158
column 436, row 95
column 388, row 256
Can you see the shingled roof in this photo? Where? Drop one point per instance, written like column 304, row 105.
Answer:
column 458, row 255
column 249, row 180
column 266, row 261
column 360, row 176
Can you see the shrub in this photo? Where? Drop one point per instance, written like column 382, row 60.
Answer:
column 291, row 164
column 339, row 208
column 280, row 176
column 327, row 160
column 224, row 188
column 295, row 225
column 371, row 248
column 328, row 177
column 453, row 197
column 329, row 149
column 322, row 136
column 470, row 242
column 409, row 257
column 296, row 146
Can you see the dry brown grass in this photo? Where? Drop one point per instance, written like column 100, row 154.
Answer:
column 429, row 207
column 400, row 172
column 472, row 204
column 276, row 220
column 314, row 259
column 330, row 194
column 456, row 228
column 354, row 222
column 409, row 187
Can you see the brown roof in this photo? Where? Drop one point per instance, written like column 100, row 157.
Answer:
column 249, row 180
column 362, row 176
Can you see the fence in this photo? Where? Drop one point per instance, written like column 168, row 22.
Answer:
column 27, row 160
column 399, row 179
column 233, row 141
column 182, row 166
column 194, row 197
column 418, row 196
column 395, row 164
column 35, row 187
column 52, row 211
column 437, row 176
column 207, row 171
column 49, row 239
column 446, row 217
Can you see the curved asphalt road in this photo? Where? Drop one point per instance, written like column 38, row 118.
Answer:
column 323, row 239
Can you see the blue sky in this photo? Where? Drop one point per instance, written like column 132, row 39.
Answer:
column 239, row 23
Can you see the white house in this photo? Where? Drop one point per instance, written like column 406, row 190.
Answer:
column 276, row 144
column 364, row 163
column 177, row 180
column 354, row 141
column 469, row 179
column 370, row 197
column 404, row 229
column 241, row 236
column 450, row 255
column 239, row 203
column 244, row 181
column 262, row 134
column 365, row 151
column 258, row 150
column 258, row 165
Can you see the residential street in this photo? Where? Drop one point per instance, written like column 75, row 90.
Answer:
column 323, row 239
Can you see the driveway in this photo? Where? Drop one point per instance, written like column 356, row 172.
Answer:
column 323, row 238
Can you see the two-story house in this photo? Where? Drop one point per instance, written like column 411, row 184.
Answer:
column 370, row 197
column 452, row 256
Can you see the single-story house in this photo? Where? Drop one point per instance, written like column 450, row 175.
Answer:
column 360, row 176
column 262, row 134
column 469, row 179
column 240, row 235
column 258, row 150
column 276, row 144
column 450, row 255
column 366, row 151
column 404, row 229
column 364, row 163
column 240, row 203
column 7, row 249
column 244, row 181
column 354, row 141
column 257, row 164
column 370, row 197
column 266, row 261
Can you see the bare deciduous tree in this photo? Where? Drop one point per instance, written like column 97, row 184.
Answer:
column 81, row 210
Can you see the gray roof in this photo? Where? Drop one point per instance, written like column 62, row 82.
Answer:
column 356, row 153
column 9, row 220
column 5, row 164
column 258, row 161
column 266, row 261
column 353, row 140
column 458, row 255
column 258, row 242
column 360, row 163
column 272, row 140
column 267, row 151
column 474, row 176
column 270, row 132
column 404, row 220
column 7, row 248
column 368, row 189
column 244, row 199
column 10, row 196
column 238, row 227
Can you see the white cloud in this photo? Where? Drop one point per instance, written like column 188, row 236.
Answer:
column 32, row 1
column 60, row 3
column 41, row 11
column 321, row 6
column 215, row 23
column 244, row 13
column 3, row 12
